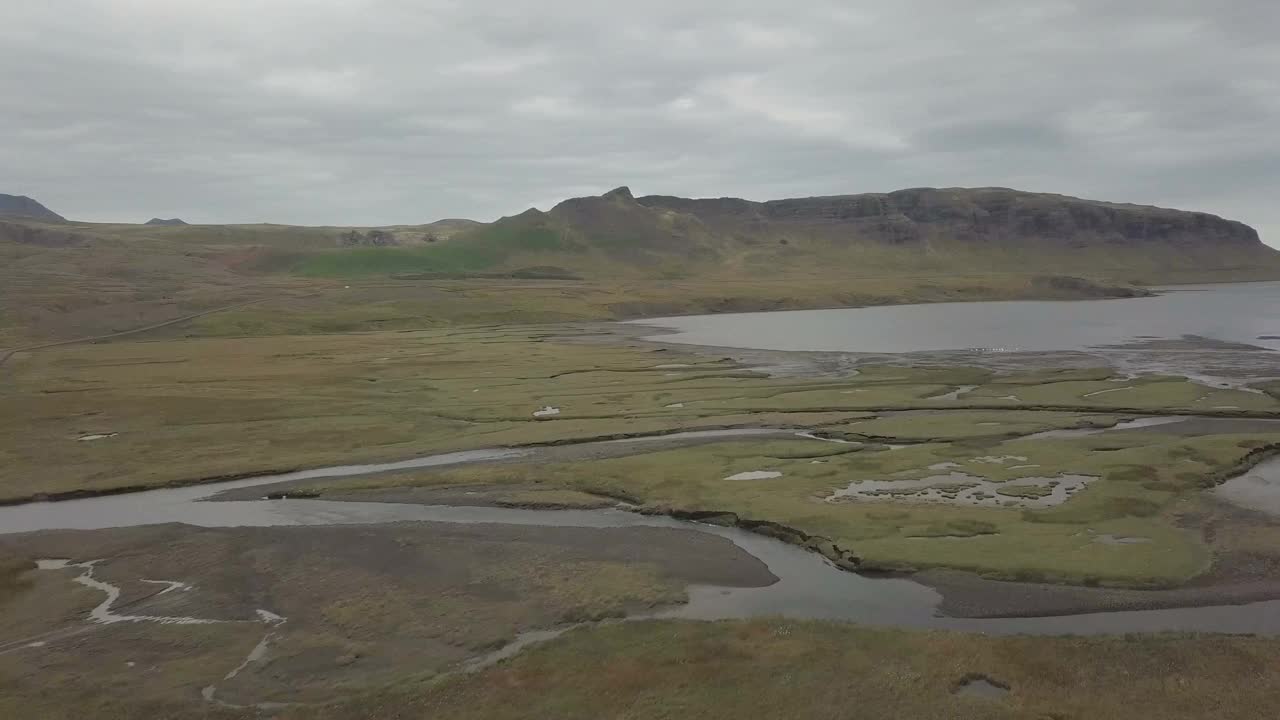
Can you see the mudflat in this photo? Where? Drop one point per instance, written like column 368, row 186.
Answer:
column 358, row 607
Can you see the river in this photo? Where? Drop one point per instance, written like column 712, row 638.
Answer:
column 808, row 586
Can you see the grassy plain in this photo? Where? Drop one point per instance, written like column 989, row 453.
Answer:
column 824, row 670
column 190, row 409
column 1146, row 479
column 76, row 280
column 362, row 607
column 377, row 615
column 365, row 354
column 177, row 411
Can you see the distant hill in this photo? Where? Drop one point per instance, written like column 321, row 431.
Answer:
column 25, row 207
column 924, row 230
column 613, row 255
column 162, row 221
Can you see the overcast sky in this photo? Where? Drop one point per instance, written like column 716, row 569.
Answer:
column 403, row 111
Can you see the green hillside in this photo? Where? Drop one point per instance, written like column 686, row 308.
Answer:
column 606, row 257
column 922, row 231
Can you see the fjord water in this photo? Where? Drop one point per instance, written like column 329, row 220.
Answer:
column 1247, row 313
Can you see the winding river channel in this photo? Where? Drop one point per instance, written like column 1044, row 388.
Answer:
column 808, row 586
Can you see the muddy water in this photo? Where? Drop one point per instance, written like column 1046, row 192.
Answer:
column 1137, row 424
column 981, row 687
column 960, row 488
column 1258, row 489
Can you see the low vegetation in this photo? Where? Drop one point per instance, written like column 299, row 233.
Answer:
column 362, row 607
column 776, row 668
column 224, row 351
column 12, row 581
column 141, row 414
column 157, row 413
column 1055, row 543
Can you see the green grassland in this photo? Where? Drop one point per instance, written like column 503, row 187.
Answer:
column 614, row 256
column 74, row 280
column 1145, row 480
column 292, row 349
column 186, row 410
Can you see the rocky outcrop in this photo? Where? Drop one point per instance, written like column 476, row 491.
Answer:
column 24, row 207
column 968, row 215
column 372, row 238
column 925, row 230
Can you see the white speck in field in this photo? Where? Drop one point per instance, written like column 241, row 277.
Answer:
column 756, row 475
column 96, row 436
column 998, row 459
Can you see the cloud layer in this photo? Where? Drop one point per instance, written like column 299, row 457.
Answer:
column 397, row 111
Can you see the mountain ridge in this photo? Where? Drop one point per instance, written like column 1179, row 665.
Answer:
column 21, row 206
column 934, row 229
column 612, row 256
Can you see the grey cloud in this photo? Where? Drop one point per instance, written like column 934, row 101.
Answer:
column 388, row 111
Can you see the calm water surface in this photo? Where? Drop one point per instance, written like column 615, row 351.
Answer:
column 808, row 586
column 1239, row 313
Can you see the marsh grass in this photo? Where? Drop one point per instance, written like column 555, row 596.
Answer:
column 1052, row 544
column 177, row 411
column 777, row 668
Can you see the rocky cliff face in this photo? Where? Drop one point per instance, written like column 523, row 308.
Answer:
column 924, row 230
column 967, row 215
column 24, row 207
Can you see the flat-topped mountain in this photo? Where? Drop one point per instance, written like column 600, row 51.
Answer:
column 616, row 255
column 173, row 222
column 975, row 215
column 952, row 230
column 25, row 207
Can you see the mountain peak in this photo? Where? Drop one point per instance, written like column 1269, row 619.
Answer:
column 623, row 192
column 23, row 206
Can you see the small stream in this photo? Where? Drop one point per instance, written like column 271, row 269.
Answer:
column 808, row 586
